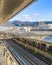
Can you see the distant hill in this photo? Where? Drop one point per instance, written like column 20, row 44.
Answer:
column 48, row 22
column 9, row 23
column 26, row 23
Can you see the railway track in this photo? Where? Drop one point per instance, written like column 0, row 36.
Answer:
column 34, row 59
column 41, row 57
column 16, row 52
column 25, row 56
column 29, row 57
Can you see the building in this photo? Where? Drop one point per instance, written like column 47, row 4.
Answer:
column 50, row 26
column 26, row 28
column 42, row 25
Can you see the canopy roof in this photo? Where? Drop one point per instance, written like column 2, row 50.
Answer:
column 8, row 8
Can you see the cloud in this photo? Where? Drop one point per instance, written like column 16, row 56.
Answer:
column 35, row 15
column 27, row 17
column 30, row 17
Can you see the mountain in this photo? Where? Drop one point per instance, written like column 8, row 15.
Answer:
column 26, row 23
column 8, row 23
column 48, row 22
column 17, row 23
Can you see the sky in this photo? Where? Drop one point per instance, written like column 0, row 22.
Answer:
column 37, row 11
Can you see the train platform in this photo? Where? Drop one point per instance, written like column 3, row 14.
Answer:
column 2, row 58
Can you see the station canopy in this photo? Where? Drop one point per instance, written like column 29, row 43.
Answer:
column 8, row 8
column 48, row 39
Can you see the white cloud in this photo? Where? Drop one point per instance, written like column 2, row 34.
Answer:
column 27, row 17
column 30, row 17
column 35, row 15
